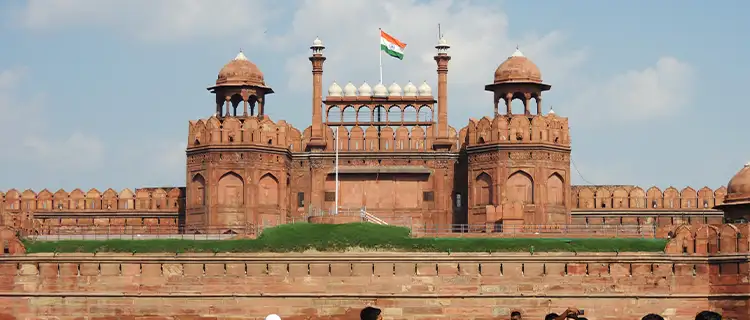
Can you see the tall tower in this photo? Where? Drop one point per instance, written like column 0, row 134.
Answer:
column 518, row 164
column 317, row 137
column 238, row 159
column 442, row 143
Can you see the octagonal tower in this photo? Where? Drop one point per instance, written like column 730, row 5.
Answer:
column 518, row 165
column 238, row 160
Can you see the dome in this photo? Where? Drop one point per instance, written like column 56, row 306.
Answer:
column 518, row 68
column 334, row 90
column 379, row 90
column 240, row 71
column 317, row 42
column 410, row 90
column 365, row 90
column 394, row 90
column 425, row 90
column 740, row 183
column 350, row 90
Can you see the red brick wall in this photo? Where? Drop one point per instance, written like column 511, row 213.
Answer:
column 336, row 286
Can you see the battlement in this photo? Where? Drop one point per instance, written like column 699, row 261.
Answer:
column 515, row 129
column 709, row 239
column 243, row 131
column 633, row 197
column 143, row 199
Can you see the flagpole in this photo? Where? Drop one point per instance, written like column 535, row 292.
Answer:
column 336, row 210
column 380, row 56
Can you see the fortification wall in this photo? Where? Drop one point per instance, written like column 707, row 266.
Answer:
column 335, row 286
column 147, row 210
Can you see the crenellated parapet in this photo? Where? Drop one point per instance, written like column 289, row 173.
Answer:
column 709, row 239
column 243, row 131
column 143, row 199
column 89, row 212
column 547, row 129
column 621, row 197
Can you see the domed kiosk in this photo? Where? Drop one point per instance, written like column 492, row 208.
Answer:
column 736, row 206
column 240, row 82
column 518, row 78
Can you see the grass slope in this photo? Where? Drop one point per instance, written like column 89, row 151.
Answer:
column 339, row 237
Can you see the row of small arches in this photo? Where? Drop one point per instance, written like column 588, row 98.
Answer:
column 367, row 114
column 384, row 138
column 653, row 198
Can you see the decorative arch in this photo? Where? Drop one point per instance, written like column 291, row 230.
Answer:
column 268, row 187
column 483, row 189
column 198, row 190
column 520, row 187
column 555, row 190
column 231, row 190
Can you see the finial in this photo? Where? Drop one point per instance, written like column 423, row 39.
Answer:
column 517, row 47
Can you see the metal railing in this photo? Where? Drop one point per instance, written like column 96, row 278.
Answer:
column 89, row 232
column 418, row 229
column 540, row 231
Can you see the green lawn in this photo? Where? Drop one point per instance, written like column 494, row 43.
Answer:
column 340, row 237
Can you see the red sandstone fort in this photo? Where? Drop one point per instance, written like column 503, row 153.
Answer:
column 399, row 162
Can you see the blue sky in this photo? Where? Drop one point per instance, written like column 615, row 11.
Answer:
column 98, row 93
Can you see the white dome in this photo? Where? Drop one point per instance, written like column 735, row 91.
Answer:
column 394, row 90
column 334, row 90
column 365, row 90
column 273, row 317
column 425, row 90
column 379, row 90
column 317, row 42
column 350, row 90
column 410, row 90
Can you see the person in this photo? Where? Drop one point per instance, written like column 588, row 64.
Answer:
column 273, row 317
column 707, row 315
column 370, row 313
column 652, row 316
column 551, row 316
column 515, row 315
column 569, row 313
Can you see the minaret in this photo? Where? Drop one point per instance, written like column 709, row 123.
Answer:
column 443, row 140
column 317, row 138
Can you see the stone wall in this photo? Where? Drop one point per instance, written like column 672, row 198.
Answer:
column 336, row 286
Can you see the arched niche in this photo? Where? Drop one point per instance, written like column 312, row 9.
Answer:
column 198, row 188
column 483, row 189
column 520, row 187
column 268, row 187
column 555, row 190
column 231, row 188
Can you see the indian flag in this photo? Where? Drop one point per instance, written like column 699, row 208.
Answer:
column 392, row 46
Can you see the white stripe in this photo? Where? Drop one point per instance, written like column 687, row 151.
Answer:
column 391, row 46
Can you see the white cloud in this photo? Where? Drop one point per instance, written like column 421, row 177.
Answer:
column 478, row 35
column 656, row 91
column 30, row 136
column 153, row 20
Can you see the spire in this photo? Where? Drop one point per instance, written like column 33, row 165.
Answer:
column 240, row 56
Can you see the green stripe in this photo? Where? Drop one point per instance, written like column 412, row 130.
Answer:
column 392, row 53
